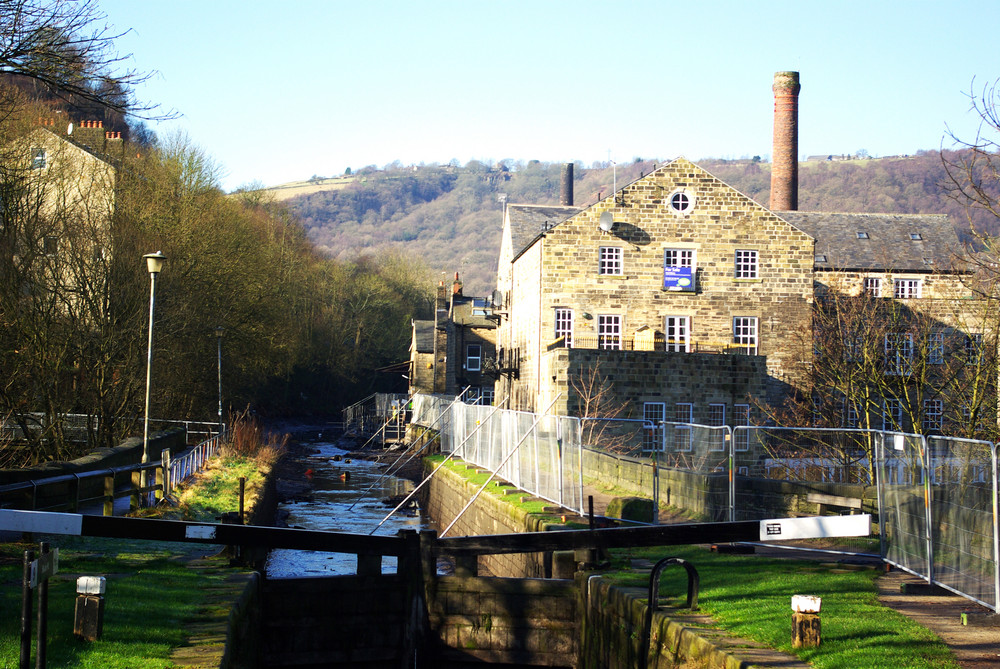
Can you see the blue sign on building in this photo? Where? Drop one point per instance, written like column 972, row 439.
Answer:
column 678, row 278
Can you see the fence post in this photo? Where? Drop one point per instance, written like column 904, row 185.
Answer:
column 996, row 533
column 928, row 520
column 165, row 473
column 136, row 498
column 109, row 495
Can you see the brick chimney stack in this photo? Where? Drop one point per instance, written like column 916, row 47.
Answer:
column 566, row 196
column 784, row 152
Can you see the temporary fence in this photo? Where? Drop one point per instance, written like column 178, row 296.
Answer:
column 933, row 500
column 370, row 415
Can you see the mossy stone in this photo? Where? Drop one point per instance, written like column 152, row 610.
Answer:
column 638, row 509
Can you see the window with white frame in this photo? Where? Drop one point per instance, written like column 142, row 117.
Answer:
column 473, row 357
column 892, row 415
column 746, row 264
column 903, row 289
column 564, row 325
column 717, row 419
column 683, row 413
column 38, row 158
column 486, row 396
column 873, row 286
column 653, row 415
column 898, row 353
column 850, row 415
column 745, row 333
column 610, row 260
column 973, row 348
column 677, row 331
column 935, row 348
column 741, row 417
column 933, row 413
column 609, row 331
column 678, row 269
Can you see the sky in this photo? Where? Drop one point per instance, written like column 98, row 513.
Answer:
column 282, row 91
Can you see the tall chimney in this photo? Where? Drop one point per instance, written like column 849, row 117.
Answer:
column 784, row 153
column 566, row 196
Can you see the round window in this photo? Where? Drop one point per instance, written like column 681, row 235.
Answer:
column 682, row 201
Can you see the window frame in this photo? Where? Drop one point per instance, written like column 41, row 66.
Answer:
column 750, row 341
column 907, row 289
column 872, row 286
column 741, row 418
column 39, row 158
column 683, row 259
column 683, row 436
column 746, row 264
column 898, row 347
column 469, row 358
column 652, row 437
column 717, row 438
column 935, row 348
column 678, row 342
column 607, row 336
column 933, row 418
column 564, row 324
column 610, row 261
column 892, row 415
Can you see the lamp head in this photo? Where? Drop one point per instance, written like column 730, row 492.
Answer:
column 219, row 331
column 154, row 262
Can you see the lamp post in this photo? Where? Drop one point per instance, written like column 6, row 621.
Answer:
column 219, row 331
column 154, row 263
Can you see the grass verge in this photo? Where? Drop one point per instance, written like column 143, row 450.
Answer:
column 750, row 596
column 153, row 595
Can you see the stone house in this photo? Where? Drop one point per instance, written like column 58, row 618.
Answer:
column 451, row 353
column 678, row 291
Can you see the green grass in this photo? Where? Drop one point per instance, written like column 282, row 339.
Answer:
column 150, row 594
column 751, row 597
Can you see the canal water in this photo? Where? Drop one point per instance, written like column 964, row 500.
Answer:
column 347, row 495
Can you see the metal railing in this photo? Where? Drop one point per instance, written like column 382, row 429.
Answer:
column 79, row 491
column 933, row 500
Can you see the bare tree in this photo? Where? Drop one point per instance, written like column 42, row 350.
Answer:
column 67, row 47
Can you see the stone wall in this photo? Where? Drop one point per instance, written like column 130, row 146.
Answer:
column 446, row 495
column 655, row 376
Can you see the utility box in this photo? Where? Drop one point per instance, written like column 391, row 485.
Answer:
column 88, row 616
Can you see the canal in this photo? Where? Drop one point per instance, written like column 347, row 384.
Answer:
column 338, row 492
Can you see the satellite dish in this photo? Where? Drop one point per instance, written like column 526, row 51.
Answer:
column 607, row 221
column 69, row 129
column 497, row 299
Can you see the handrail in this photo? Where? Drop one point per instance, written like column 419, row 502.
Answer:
column 653, row 601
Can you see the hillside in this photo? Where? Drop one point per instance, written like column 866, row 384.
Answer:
column 450, row 216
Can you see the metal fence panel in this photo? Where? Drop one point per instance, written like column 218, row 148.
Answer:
column 781, row 472
column 904, row 502
column 962, row 499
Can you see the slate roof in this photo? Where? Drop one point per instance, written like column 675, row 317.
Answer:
column 895, row 242
column 423, row 336
column 527, row 221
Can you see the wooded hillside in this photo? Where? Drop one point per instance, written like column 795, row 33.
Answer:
column 450, row 216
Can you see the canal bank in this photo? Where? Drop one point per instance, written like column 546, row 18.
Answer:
column 620, row 607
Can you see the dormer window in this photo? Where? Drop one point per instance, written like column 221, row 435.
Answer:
column 38, row 159
column 862, row 234
column 820, row 257
column 915, row 236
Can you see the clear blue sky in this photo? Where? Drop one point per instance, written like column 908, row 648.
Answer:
column 281, row 91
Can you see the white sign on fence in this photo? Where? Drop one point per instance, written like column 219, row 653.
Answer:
column 816, row 527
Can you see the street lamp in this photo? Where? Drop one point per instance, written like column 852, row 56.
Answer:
column 154, row 263
column 219, row 331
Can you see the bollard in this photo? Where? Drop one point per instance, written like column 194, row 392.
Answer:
column 805, row 621
column 88, row 617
